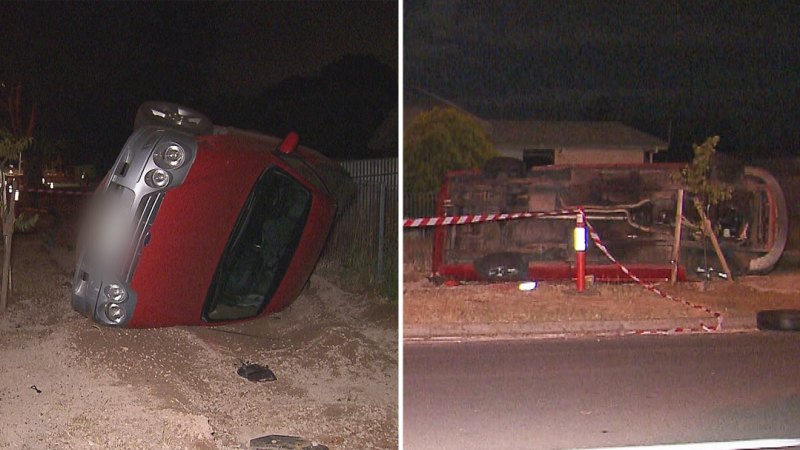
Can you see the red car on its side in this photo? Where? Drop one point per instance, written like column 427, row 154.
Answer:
column 200, row 225
column 632, row 207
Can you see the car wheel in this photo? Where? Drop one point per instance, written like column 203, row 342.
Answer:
column 504, row 266
column 173, row 116
column 765, row 263
column 779, row 320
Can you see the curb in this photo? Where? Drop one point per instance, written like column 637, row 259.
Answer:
column 539, row 330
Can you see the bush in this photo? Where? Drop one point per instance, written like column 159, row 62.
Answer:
column 439, row 141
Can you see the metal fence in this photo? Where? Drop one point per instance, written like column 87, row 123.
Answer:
column 419, row 204
column 365, row 235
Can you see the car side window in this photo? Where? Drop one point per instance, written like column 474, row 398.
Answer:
column 260, row 249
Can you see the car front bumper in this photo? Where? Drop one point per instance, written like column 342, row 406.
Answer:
column 117, row 228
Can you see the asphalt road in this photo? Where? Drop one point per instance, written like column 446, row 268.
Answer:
column 641, row 390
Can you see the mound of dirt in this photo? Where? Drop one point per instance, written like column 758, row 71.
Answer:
column 68, row 383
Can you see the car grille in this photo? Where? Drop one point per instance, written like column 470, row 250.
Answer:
column 145, row 215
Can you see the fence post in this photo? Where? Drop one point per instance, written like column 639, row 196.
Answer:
column 676, row 246
column 579, row 242
column 8, row 219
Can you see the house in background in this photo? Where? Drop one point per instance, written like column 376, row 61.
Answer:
column 540, row 143
column 551, row 142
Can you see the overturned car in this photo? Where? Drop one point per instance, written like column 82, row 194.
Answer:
column 197, row 224
column 633, row 208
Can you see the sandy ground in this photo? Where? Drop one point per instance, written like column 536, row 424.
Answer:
column 426, row 303
column 67, row 383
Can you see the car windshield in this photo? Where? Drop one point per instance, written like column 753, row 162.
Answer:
column 260, row 249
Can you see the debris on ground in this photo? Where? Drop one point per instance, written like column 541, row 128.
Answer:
column 278, row 442
column 255, row 372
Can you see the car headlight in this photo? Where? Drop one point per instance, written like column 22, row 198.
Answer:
column 115, row 312
column 171, row 157
column 157, row 178
column 115, row 293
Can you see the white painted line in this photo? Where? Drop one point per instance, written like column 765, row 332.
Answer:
column 730, row 445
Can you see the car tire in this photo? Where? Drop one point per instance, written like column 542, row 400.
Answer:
column 504, row 266
column 779, row 320
column 172, row 116
column 764, row 264
column 504, row 166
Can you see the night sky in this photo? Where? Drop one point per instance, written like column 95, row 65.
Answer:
column 680, row 69
column 696, row 68
column 87, row 66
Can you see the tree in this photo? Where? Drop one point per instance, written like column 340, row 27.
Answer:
column 12, row 143
column 707, row 191
column 11, row 106
column 335, row 112
column 10, row 146
column 439, row 141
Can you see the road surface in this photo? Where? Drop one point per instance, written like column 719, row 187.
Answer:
column 584, row 393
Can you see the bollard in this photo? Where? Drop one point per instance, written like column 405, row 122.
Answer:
column 579, row 242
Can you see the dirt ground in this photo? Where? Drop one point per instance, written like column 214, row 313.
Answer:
column 425, row 303
column 67, row 383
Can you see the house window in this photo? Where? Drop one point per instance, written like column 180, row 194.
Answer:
column 538, row 157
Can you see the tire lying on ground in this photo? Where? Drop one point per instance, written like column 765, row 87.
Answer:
column 779, row 320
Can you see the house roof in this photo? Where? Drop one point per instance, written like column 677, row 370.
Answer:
column 565, row 135
column 418, row 101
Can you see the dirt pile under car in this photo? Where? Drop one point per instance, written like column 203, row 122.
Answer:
column 69, row 383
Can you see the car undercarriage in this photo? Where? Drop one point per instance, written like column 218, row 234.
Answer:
column 633, row 208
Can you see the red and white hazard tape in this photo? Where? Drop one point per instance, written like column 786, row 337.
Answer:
column 470, row 219
column 651, row 287
column 480, row 218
